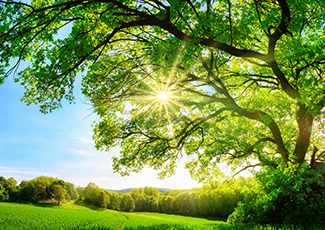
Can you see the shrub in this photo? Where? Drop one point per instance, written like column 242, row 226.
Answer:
column 290, row 194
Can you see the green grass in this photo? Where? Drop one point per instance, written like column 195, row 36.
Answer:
column 29, row 216
column 78, row 215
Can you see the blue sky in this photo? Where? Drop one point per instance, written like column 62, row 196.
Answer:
column 60, row 145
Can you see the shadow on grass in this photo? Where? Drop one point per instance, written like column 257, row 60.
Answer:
column 37, row 204
column 199, row 217
column 164, row 227
column 160, row 227
column 87, row 205
column 221, row 227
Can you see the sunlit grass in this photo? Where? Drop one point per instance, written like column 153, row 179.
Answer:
column 79, row 215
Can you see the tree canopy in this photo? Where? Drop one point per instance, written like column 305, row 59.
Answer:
column 235, row 81
column 59, row 192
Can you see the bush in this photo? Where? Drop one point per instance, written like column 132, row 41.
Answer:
column 4, row 196
column 291, row 195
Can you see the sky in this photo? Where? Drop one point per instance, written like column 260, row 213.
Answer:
column 60, row 145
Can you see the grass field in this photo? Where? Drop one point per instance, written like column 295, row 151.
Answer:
column 76, row 215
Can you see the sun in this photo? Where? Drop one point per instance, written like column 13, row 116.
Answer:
column 163, row 96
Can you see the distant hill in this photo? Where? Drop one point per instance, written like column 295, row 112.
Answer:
column 126, row 190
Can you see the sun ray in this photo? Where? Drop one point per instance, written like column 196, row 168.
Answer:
column 163, row 96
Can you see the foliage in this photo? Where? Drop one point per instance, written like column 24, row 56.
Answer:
column 90, row 192
column 287, row 195
column 242, row 80
column 38, row 189
column 59, row 193
column 102, row 200
column 79, row 190
column 239, row 82
column 127, row 203
column 12, row 181
column 218, row 200
column 3, row 182
column 4, row 196
column 71, row 191
column 114, row 201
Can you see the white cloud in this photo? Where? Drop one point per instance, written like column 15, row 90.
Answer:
column 81, row 152
column 8, row 171
column 85, row 140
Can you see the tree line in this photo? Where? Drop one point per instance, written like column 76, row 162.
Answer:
column 39, row 189
column 218, row 200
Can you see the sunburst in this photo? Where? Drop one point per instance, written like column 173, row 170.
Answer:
column 163, row 96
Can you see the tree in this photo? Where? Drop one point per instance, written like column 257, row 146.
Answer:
column 114, row 201
column 150, row 191
column 244, row 80
column 152, row 204
column 12, row 181
column 102, row 200
column 79, row 190
column 71, row 191
column 59, row 193
column 141, row 202
column 14, row 193
column 226, row 80
column 127, row 203
column 41, row 187
column 4, row 196
column 90, row 193
column 135, row 193
column 4, row 183
column 29, row 191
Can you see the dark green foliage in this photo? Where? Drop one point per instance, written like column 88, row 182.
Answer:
column 288, row 195
column 14, row 193
column 35, row 190
column 30, row 193
column 4, row 196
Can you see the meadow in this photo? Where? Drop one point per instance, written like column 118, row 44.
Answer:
column 76, row 215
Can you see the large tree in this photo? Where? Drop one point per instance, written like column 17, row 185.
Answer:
column 235, row 81
column 59, row 193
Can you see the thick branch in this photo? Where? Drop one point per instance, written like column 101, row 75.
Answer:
column 245, row 168
column 271, row 124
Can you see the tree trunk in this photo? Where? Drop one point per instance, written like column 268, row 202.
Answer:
column 305, row 123
column 313, row 157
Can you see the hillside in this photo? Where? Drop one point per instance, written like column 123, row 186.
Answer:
column 81, row 216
